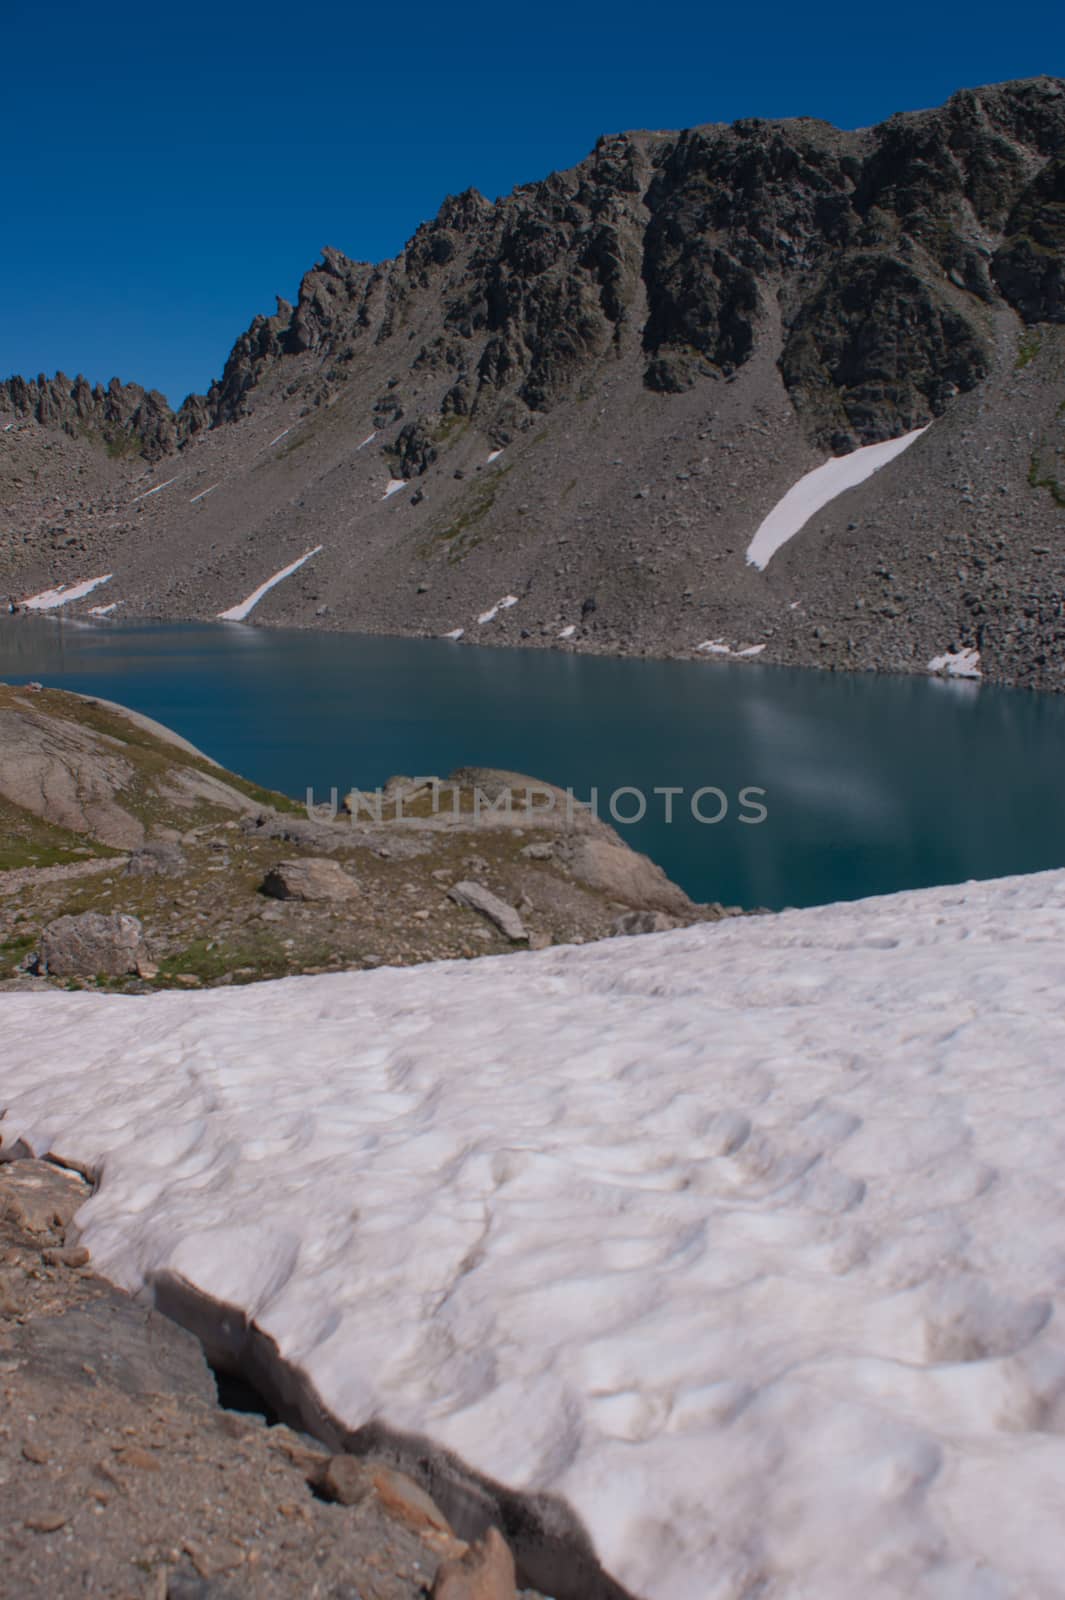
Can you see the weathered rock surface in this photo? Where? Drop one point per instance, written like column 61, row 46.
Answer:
column 93, row 945
column 485, row 1572
column 622, row 874
column 66, row 775
column 477, row 898
column 309, row 878
column 157, row 858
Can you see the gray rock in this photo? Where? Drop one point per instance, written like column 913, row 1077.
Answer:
column 157, row 858
column 623, row 874
column 93, row 945
column 634, row 922
column 538, row 851
column 313, row 878
column 477, row 898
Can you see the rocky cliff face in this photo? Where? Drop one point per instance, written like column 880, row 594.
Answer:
column 662, row 340
column 882, row 249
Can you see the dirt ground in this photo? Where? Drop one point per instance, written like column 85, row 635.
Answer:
column 122, row 1473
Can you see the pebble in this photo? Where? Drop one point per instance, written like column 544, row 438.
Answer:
column 71, row 1256
column 47, row 1522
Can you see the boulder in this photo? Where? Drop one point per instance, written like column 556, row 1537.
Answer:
column 623, row 874
column 93, row 945
column 313, row 878
column 345, row 1480
column 477, row 898
column 157, row 858
column 540, row 850
column 485, row 1572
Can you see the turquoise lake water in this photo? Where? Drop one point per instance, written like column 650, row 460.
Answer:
column 870, row 784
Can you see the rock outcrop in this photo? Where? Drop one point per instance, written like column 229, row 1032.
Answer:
column 309, row 878
column 92, row 945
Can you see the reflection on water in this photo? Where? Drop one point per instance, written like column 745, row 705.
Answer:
column 872, row 784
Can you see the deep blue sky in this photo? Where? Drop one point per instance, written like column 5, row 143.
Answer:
column 167, row 170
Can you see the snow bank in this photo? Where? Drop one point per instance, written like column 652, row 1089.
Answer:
column 369, row 439
column 147, row 495
column 63, row 594
column 568, row 631
column 244, row 609
column 957, row 664
column 456, row 633
column 103, row 611
column 278, row 438
column 805, row 498
column 204, row 493
column 394, row 486
column 494, row 456
column 718, row 647
column 505, row 604
column 745, row 1240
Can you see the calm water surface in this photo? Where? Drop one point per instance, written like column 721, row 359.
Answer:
column 872, row 784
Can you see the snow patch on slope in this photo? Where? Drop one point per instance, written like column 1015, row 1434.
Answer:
column 246, row 607
column 149, row 492
column 718, row 647
column 814, row 491
column 490, row 615
column 734, row 1238
column 957, row 664
column 63, row 594
column 394, row 486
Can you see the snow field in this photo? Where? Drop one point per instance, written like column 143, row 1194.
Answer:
column 747, row 1241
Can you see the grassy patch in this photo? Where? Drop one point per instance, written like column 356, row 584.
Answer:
column 1027, row 350
column 12, row 951
column 1045, row 480
column 29, row 841
column 476, row 506
column 449, row 428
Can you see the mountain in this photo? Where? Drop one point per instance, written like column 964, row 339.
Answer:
column 593, row 391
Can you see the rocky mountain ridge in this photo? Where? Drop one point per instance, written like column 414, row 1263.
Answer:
column 713, row 313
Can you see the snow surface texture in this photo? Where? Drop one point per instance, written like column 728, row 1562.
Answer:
column 747, row 1240
column 805, row 498
column 394, row 486
column 51, row 599
column 957, row 664
column 246, row 607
